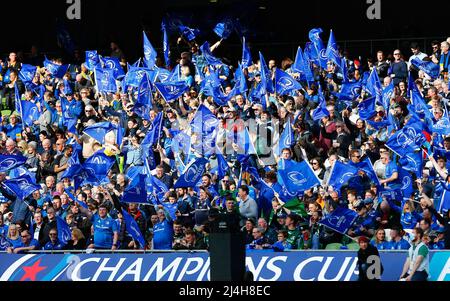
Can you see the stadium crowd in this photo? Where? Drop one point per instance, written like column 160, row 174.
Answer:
column 84, row 156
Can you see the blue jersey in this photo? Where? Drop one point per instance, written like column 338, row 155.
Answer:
column 409, row 220
column 53, row 246
column 4, row 230
column 162, row 236
column 104, row 232
column 33, row 242
column 401, row 245
column 384, row 245
column 392, row 168
column 15, row 243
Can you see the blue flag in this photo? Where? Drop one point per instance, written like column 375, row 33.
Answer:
column 98, row 131
column 166, row 45
column 374, row 87
column 297, row 177
column 332, row 52
column 8, row 162
column 30, row 112
column 223, row 30
column 133, row 229
column 430, row 68
column 314, row 37
column 67, row 88
column 135, row 75
column 64, row 232
column 172, row 91
column 287, row 138
column 321, row 110
column 210, row 59
column 105, row 81
column 149, row 53
column 27, row 73
column 193, row 174
column 143, row 104
column 136, row 193
column 114, row 64
column 387, row 94
column 97, row 167
column 366, row 108
column 92, row 59
column 22, row 187
column 189, row 33
column 406, row 181
column 75, row 199
column 246, row 55
column 176, row 75
column 413, row 162
column 367, row 167
column 204, row 126
column 419, row 105
column 340, row 174
column 57, row 71
column 266, row 77
column 222, row 165
column 154, row 133
column 164, row 75
column 444, row 205
column 340, row 220
column 285, row 83
column 349, row 91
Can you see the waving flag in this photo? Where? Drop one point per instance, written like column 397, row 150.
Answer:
column 413, row 162
column 406, row 181
column 321, row 110
column 246, row 55
column 297, row 177
column 175, row 76
column 266, row 80
column 193, row 173
column 314, row 37
column 444, row 205
column 223, row 29
column 340, row 174
column 181, row 143
column 204, row 127
column 114, row 64
column 136, row 193
column 96, row 167
column 349, row 91
column 367, row 167
column 154, row 133
column 287, row 139
column 64, row 232
column 30, row 112
column 285, row 83
column 75, row 199
column 299, row 63
column 98, row 131
column 143, row 104
column 133, row 229
column 189, row 33
column 332, row 52
column 430, row 68
column 222, row 165
column 210, row 59
column 8, row 162
column 149, row 53
column 166, row 45
column 340, row 220
column 310, row 53
column 163, row 75
column 135, row 75
column 419, row 105
column 387, row 94
column 366, row 108
column 21, row 187
column 172, row 91
column 105, row 81
column 27, row 73
column 57, row 71
column 92, row 59
column 374, row 87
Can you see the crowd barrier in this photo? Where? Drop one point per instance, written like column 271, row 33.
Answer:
column 194, row 266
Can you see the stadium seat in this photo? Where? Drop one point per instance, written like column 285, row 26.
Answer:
column 335, row 246
column 353, row 246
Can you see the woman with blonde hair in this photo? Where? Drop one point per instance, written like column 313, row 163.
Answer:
column 13, row 236
column 379, row 240
column 78, row 241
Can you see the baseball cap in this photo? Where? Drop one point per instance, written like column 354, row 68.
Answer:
column 363, row 239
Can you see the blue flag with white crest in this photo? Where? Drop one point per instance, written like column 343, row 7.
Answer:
column 246, row 55
column 332, row 52
column 154, row 132
column 143, row 104
column 136, row 193
column 419, row 105
column 340, row 220
column 284, row 83
column 374, row 87
column 210, row 59
column 341, row 173
column 164, row 75
column 149, row 53
column 287, row 138
column 349, row 91
column 105, row 81
column 27, row 73
column 132, row 228
column 22, row 187
column 135, row 75
column 98, row 131
column 366, row 108
column 321, row 110
column 387, row 94
column 92, row 59
column 193, row 173
column 64, row 232
column 57, row 71
column 430, row 68
column 223, row 29
column 314, row 37
column 30, row 112
column 297, row 177
column 189, row 33
column 114, row 64
column 8, row 162
column 172, row 91
column 97, row 166
column 367, row 167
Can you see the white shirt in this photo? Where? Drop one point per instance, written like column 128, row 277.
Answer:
column 419, row 56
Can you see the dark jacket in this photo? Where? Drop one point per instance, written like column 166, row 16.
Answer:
column 445, row 221
column 365, row 265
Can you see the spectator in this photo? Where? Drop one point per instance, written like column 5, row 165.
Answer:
column 54, row 244
column 162, row 232
column 397, row 241
column 105, row 231
column 247, row 206
column 416, row 266
column 369, row 261
column 399, row 69
column 27, row 244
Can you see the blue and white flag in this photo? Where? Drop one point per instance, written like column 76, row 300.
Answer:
column 413, row 162
column 143, row 104
column 176, row 75
column 166, row 45
column 419, row 105
column 92, row 60
column 366, row 108
column 341, row 173
column 97, row 166
column 30, row 112
column 246, row 55
column 136, row 193
column 98, row 131
column 57, row 71
column 105, row 81
column 287, row 138
column 314, row 37
column 387, row 94
column 297, row 177
column 210, row 59
column 21, row 187
column 149, row 53
column 340, row 220
column 349, row 91
column 222, row 165
column 189, row 33
column 114, row 64
column 164, row 75
column 8, row 162
column 321, row 110
column 332, row 52
column 374, row 87
column 193, row 174
column 154, row 132
column 132, row 228
column 172, row 91
column 367, row 167
column 284, row 83
column 409, row 139
column 27, row 73
column 429, row 68
column 406, row 182
column 444, row 205
column 135, row 75
column 223, row 29
column 64, row 232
